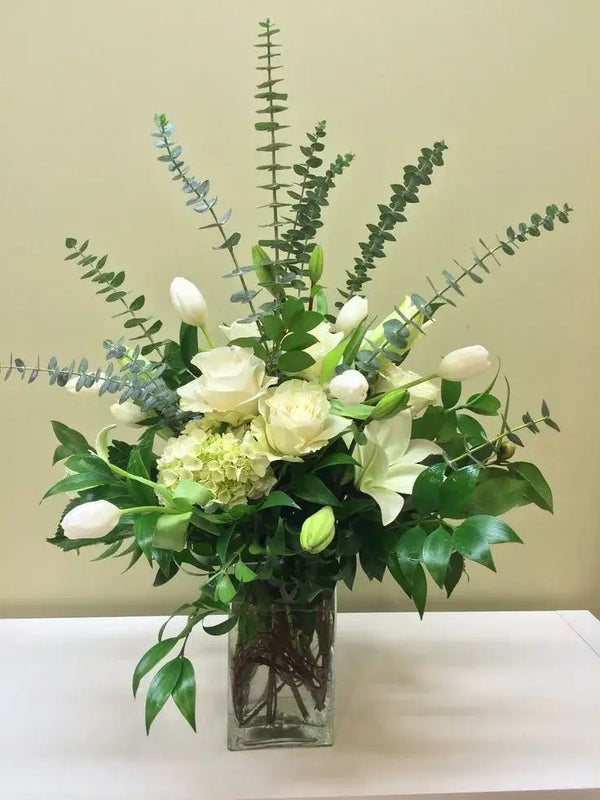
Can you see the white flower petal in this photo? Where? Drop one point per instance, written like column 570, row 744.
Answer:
column 420, row 449
column 388, row 501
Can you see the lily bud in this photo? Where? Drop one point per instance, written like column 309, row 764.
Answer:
column 188, row 302
column 90, row 520
column 318, row 530
column 128, row 413
column 390, row 404
column 315, row 265
column 352, row 314
column 265, row 272
column 350, row 387
column 467, row 362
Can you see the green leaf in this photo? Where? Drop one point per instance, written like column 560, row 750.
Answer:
column 496, row 495
column 358, row 411
column 332, row 359
column 221, row 627
column 273, row 327
column 150, row 659
column 451, row 393
column 184, row 692
column 335, row 460
column 472, row 543
column 456, row 489
column 72, row 440
column 295, row 361
column 437, row 550
column 225, row 590
column 298, row 341
column 312, row 489
column 495, row 530
column 306, row 321
column 243, row 573
column 194, row 493
column 409, row 549
column 354, row 342
column 188, row 342
column 541, row 493
column 455, row 572
column 160, row 689
column 419, row 589
column 171, row 531
column 76, row 483
column 426, row 490
column 276, row 499
column 486, row 404
column 143, row 529
column 290, row 309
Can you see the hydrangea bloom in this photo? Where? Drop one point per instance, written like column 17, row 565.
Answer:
column 227, row 464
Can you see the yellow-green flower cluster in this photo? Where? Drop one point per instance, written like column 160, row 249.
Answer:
column 227, row 464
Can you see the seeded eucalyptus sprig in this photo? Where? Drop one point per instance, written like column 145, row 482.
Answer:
column 111, row 283
column 390, row 215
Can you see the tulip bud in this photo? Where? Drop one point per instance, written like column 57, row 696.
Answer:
column 188, row 302
column 352, row 314
column 318, row 530
column 350, row 387
column 315, row 265
column 90, row 520
column 390, row 404
column 128, row 413
column 467, row 362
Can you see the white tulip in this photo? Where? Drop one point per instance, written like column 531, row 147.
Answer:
column 240, row 330
column 350, row 387
column 232, row 381
column 188, row 302
column 295, row 419
column 90, row 520
column 467, row 362
column 352, row 314
column 128, row 413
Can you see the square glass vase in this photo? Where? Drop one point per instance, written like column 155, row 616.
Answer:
column 281, row 675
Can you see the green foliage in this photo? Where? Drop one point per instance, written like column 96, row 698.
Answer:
column 390, row 215
column 111, row 284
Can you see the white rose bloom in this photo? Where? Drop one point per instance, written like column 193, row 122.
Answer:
column 295, row 419
column 232, row 381
column 239, row 330
column 350, row 387
column 352, row 314
column 422, row 395
column 389, row 462
column 90, row 520
column 327, row 340
column 128, row 413
column 465, row 363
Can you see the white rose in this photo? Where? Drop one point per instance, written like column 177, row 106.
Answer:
column 240, row 330
column 465, row 363
column 327, row 340
column 90, row 520
column 420, row 396
column 352, row 314
column 295, row 419
column 128, row 413
column 232, row 381
column 350, row 387
column 188, row 301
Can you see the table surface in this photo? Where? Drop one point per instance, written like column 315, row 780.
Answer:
column 458, row 703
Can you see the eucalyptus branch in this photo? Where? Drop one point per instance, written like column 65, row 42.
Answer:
column 113, row 293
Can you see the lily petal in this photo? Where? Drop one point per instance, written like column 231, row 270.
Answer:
column 388, row 501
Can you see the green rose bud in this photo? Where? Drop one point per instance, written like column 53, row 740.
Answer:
column 318, row 530
column 315, row 265
column 390, row 404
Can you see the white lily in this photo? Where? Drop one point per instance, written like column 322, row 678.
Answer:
column 389, row 462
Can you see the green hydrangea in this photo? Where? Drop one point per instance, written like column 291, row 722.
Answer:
column 227, row 464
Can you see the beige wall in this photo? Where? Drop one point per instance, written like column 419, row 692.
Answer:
column 512, row 86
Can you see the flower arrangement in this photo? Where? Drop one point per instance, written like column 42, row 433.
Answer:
column 273, row 463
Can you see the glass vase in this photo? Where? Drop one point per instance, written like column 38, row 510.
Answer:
column 281, row 675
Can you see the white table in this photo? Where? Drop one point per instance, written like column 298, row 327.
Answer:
column 458, row 705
